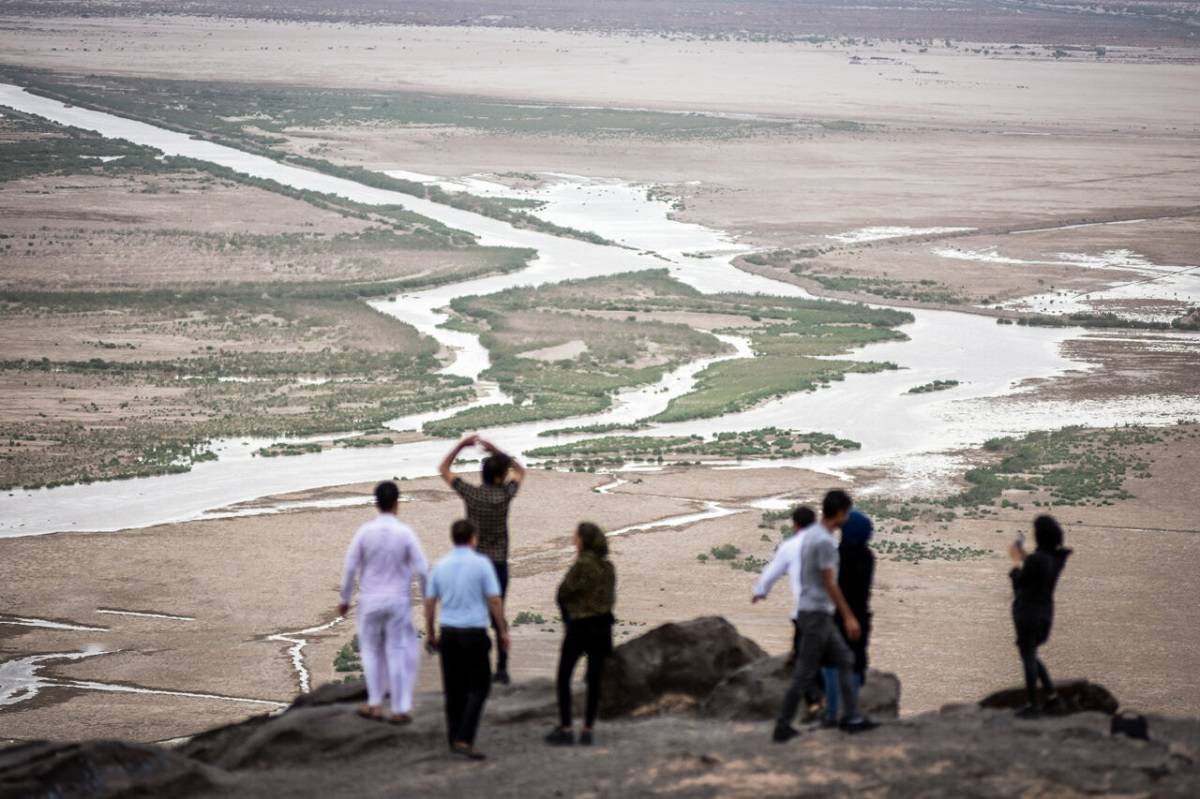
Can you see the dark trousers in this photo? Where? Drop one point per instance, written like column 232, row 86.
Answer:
column 820, row 642
column 466, row 680
column 592, row 637
column 502, row 576
column 1032, row 633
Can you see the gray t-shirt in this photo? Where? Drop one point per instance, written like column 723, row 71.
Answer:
column 818, row 551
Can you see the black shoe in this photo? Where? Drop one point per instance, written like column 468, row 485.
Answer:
column 784, row 733
column 467, row 751
column 1029, row 712
column 585, row 738
column 829, row 724
column 860, row 724
column 560, row 737
column 502, row 678
column 1054, row 706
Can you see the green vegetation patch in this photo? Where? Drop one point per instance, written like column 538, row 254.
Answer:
column 625, row 348
column 257, row 118
column 768, row 442
column 936, row 385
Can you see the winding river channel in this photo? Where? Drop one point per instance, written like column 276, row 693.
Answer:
column 908, row 432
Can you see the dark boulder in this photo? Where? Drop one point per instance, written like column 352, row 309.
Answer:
column 689, row 658
column 1078, row 696
column 332, row 693
column 755, row 692
column 301, row 735
column 97, row 769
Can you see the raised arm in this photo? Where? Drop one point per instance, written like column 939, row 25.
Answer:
column 516, row 470
column 446, row 469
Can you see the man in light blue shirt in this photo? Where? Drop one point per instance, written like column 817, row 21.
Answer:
column 465, row 584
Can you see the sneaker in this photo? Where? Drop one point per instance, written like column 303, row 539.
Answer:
column 784, row 733
column 467, row 751
column 560, row 737
column 585, row 738
column 1028, row 712
column 502, row 678
column 860, row 724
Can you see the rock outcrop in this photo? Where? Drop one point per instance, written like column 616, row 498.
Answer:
column 689, row 658
column 1078, row 696
column 321, row 747
column 101, row 769
column 755, row 692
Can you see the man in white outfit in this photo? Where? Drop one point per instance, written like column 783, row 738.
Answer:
column 787, row 561
column 385, row 556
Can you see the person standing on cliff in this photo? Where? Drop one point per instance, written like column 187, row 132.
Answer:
column 585, row 598
column 787, row 561
column 856, row 573
column 487, row 506
column 1034, row 578
column 385, row 557
column 820, row 641
column 464, row 583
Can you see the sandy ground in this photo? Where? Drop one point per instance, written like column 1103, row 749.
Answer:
column 1123, row 603
column 896, row 85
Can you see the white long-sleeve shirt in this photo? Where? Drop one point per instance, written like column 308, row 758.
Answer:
column 786, row 561
column 385, row 556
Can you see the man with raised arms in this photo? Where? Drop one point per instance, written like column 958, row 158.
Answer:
column 487, row 506
column 385, row 557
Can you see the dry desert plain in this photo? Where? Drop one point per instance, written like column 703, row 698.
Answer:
column 1025, row 154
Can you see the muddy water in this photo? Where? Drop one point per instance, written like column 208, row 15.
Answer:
column 988, row 360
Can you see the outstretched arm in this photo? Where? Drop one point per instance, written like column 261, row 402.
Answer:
column 516, row 469
column 775, row 569
column 446, row 468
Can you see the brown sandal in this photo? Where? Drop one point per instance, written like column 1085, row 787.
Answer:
column 368, row 712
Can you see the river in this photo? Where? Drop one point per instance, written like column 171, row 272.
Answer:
column 906, row 431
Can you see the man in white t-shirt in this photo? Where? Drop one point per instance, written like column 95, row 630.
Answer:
column 787, row 561
column 385, row 557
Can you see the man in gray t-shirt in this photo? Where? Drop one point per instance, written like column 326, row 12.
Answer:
column 820, row 640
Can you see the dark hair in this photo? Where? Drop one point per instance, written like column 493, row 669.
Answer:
column 835, row 502
column 387, row 494
column 593, row 538
column 495, row 467
column 803, row 516
column 462, row 531
column 1048, row 533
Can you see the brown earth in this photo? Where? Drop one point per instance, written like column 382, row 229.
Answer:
column 244, row 579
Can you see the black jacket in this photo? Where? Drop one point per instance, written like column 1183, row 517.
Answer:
column 856, row 572
column 1034, row 583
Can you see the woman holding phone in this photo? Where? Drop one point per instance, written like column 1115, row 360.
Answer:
column 1034, row 578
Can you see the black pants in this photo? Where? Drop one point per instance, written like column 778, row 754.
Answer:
column 502, row 575
column 1032, row 633
column 592, row 637
column 466, row 680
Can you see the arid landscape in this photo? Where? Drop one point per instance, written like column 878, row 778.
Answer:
column 693, row 266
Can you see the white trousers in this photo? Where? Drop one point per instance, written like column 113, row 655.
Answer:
column 388, row 646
